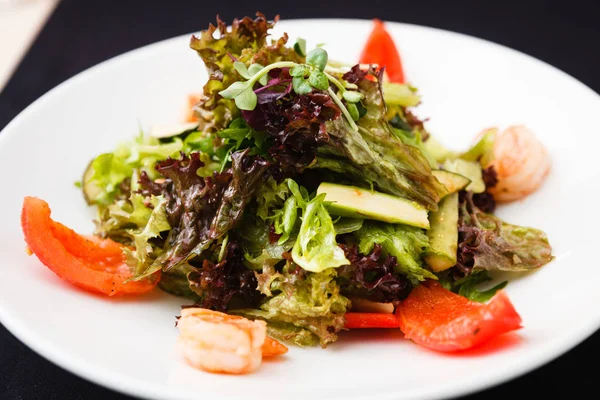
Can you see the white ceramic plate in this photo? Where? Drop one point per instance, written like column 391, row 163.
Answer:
column 128, row 344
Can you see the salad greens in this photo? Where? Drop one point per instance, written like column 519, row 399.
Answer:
column 228, row 211
column 307, row 308
column 468, row 286
column 404, row 242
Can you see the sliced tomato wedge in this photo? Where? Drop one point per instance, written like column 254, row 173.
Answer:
column 356, row 320
column 441, row 320
column 94, row 264
column 380, row 49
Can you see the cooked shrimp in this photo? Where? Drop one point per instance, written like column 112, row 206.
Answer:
column 521, row 162
column 218, row 342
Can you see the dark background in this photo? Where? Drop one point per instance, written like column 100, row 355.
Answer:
column 81, row 34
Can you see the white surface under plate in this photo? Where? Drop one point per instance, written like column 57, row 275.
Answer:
column 128, row 344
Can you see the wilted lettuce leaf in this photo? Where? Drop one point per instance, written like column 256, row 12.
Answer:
column 316, row 248
column 375, row 155
column 305, row 307
column 413, row 138
column 468, row 286
column 246, row 42
column 404, row 242
column 110, row 169
column 487, row 242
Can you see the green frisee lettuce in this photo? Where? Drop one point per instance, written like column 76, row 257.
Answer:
column 305, row 310
column 404, row 242
column 316, row 248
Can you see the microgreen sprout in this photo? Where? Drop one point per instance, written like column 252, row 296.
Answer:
column 317, row 58
column 300, row 47
column 305, row 78
column 344, row 109
column 242, row 92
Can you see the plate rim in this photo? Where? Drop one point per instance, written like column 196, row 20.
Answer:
column 130, row 386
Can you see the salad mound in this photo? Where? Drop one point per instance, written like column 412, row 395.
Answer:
column 305, row 194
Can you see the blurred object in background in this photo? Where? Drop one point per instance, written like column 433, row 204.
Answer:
column 20, row 22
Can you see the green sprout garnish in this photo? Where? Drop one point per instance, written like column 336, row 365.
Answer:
column 305, row 78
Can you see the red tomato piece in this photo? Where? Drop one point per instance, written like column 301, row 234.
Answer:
column 380, row 49
column 94, row 264
column 444, row 321
column 355, row 320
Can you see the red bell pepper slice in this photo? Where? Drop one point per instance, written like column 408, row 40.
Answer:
column 444, row 321
column 273, row 348
column 94, row 264
column 357, row 320
column 380, row 49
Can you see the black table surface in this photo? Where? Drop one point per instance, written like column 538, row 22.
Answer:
column 81, row 34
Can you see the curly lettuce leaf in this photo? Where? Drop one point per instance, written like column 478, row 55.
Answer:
column 156, row 223
column 295, row 123
column 113, row 221
column 271, row 196
column 316, row 248
column 202, row 210
column 245, row 42
column 247, row 174
column 261, row 250
column 277, row 205
column 404, row 242
column 371, row 276
column 487, row 242
column 220, row 283
column 109, row 170
column 305, row 308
